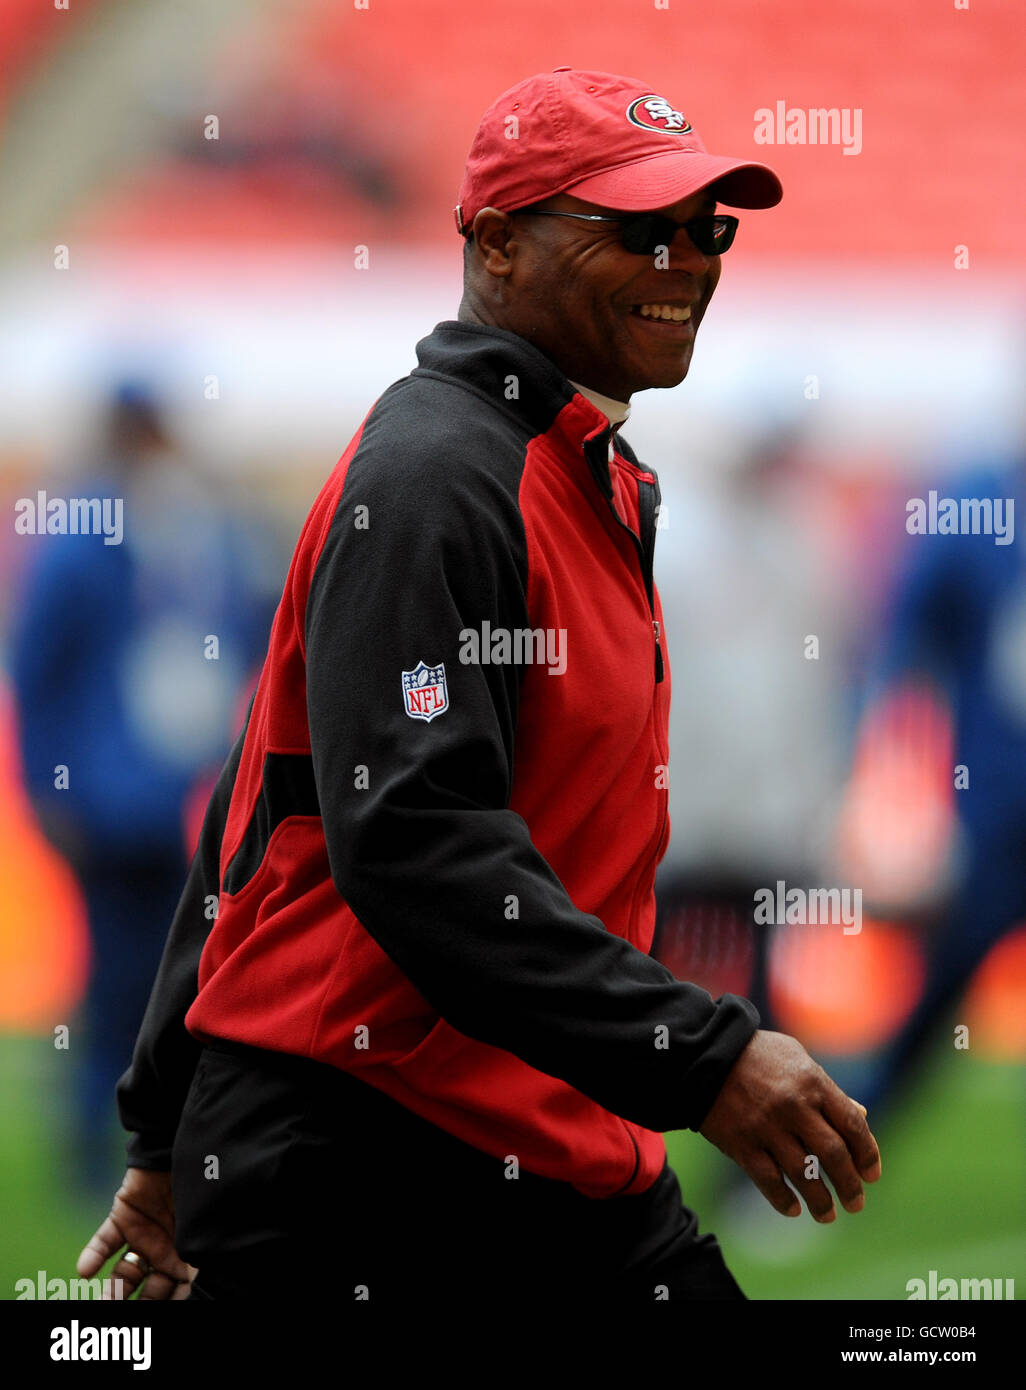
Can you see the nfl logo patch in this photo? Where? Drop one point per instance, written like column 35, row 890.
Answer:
column 425, row 693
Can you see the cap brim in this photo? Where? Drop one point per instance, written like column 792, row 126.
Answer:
column 663, row 179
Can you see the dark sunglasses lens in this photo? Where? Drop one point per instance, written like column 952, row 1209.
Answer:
column 645, row 233
column 642, row 234
column 713, row 235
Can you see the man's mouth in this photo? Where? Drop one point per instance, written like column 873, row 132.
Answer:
column 666, row 313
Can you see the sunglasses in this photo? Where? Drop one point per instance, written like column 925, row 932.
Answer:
column 645, row 232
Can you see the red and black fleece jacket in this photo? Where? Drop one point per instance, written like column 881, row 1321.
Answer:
column 430, row 858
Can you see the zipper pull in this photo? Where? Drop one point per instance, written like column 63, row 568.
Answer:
column 658, row 650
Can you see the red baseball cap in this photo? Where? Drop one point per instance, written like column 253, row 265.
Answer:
column 609, row 140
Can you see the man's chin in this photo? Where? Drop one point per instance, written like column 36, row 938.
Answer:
column 666, row 379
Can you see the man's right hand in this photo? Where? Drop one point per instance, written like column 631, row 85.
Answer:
column 776, row 1109
column 142, row 1219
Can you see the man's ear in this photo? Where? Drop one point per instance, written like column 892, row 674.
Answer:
column 495, row 241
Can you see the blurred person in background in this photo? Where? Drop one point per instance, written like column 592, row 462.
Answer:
column 935, row 818
column 126, row 660
column 757, row 737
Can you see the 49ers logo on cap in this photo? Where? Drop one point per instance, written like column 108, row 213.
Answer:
column 656, row 113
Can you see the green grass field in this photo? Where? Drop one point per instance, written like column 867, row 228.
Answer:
column 952, row 1196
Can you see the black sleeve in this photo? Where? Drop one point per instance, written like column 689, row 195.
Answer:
column 152, row 1091
column 428, row 540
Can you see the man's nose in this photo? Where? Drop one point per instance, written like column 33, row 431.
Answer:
column 683, row 254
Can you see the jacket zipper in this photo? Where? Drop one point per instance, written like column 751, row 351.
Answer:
column 648, row 501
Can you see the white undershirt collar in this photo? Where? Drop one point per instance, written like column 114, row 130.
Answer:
column 616, row 412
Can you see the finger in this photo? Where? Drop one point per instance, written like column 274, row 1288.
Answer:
column 99, row 1248
column 168, row 1263
column 793, row 1159
column 130, row 1274
column 157, row 1287
column 848, row 1118
column 834, row 1160
column 182, row 1290
column 764, row 1171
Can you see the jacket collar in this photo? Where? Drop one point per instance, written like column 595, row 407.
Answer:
column 616, row 412
column 518, row 379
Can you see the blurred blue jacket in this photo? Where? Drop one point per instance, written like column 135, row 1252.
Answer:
column 958, row 616
column 109, row 672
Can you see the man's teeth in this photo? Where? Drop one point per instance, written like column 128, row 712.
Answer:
column 672, row 313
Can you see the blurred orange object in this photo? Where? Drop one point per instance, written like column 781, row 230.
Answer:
column 44, row 941
column 842, row 993
column 995, row 1010
column 897, row 832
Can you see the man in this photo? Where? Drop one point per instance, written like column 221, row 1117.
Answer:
column 425, row 1050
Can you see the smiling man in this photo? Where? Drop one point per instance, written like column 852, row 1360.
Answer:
column 421, row 1051
column 634, row 313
